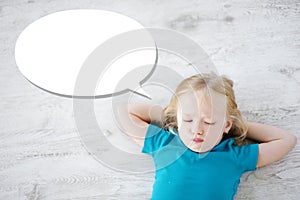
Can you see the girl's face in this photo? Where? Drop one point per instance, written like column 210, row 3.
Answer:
column 201, row 120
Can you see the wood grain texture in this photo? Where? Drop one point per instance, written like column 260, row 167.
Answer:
column 256, row 43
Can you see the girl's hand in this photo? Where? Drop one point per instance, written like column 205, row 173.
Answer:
column 135, row 119
column 275, row 142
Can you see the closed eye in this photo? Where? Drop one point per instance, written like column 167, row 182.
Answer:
column 187, row 120
column 208, row 123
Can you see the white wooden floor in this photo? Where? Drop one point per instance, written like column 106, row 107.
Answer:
column 256, row 43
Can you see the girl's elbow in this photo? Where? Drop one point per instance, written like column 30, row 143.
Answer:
column 292, row 140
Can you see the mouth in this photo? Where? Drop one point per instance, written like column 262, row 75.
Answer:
column 198, row 140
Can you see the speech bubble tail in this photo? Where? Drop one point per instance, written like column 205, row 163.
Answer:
column 142, row 92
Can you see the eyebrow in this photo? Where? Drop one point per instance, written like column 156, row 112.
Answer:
column 190, row 115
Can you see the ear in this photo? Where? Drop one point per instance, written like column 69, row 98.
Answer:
column 228, row 125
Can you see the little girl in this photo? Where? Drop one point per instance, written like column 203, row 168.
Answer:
column 199, row 148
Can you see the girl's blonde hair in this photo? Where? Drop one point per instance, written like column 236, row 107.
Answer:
column 220, row 84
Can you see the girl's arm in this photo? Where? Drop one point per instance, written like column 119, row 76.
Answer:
column 275, row 142
column 135, row 119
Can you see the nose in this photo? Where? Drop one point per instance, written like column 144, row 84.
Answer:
column 198, row 128
column 199, row 132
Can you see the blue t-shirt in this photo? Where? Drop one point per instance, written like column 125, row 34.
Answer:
column 184, row 174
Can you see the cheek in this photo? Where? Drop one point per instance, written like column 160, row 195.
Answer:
column 215, row 131
column 185, row 128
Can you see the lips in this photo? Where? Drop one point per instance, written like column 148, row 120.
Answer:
column 198, row 140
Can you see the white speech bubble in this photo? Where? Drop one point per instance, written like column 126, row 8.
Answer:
column 109, row 78
column 51, row 51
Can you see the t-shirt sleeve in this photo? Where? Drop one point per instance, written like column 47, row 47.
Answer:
column 155, row 139
column 247, row 156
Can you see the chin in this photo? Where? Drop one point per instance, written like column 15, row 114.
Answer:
column 200, row 150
